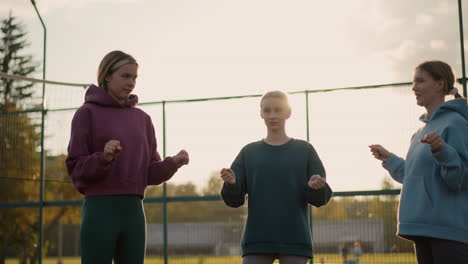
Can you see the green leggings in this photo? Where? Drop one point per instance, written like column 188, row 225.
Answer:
column 113, row 227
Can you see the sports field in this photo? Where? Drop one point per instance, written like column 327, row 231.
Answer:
column 398, row 258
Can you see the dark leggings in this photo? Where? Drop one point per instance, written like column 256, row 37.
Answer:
column 440, row 251
column 113, row 228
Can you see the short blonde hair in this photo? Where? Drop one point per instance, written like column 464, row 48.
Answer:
column 277, row 94
column 111, row 63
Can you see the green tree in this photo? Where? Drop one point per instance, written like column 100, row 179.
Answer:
column 214, row 185
column 218, row 211
column 12, row 61
column 191, row 211
column 19, row 147
column 19, row 173
column 334, row 210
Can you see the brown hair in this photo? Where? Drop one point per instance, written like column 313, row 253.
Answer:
column 111, row 63
column 440, row 70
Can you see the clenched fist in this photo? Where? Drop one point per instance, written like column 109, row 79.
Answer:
column 228, row 176
column 316, row 182
column 112, row 149
column 434, row 141
column 181, row 159
column 380, row 152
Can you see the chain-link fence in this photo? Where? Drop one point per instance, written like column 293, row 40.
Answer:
column 187, row 221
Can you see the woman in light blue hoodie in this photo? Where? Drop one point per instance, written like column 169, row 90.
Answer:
column 433, row 209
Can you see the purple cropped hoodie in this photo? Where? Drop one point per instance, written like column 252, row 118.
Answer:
column 100, row 119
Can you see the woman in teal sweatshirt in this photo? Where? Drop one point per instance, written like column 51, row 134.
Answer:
column 281, row 176
column 433, row 209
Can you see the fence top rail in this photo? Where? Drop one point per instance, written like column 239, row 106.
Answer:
column 33, row 80
column 85, row 85
column 377, row 86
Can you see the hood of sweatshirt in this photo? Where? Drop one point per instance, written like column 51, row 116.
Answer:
column 99, row 96
column 459, row 106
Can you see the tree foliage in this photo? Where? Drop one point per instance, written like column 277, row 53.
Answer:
column 19, row 147
column 13, row 61
column 200, row 211
column 19, row 174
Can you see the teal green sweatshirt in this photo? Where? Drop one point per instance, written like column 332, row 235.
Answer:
column 274, row 178
column 434, row 197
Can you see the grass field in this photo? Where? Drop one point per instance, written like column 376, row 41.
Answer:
column 395, row 258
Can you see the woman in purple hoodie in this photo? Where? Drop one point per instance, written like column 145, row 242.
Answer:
column 112, row 157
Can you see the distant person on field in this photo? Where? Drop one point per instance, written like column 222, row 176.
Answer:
column 357, row 251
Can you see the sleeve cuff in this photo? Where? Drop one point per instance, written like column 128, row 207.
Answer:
column 102, row 160
column 171, row 165
column 320, row 191
column 232, row 188
column 391, row 163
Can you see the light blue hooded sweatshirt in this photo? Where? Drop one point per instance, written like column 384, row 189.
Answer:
column 434, row 197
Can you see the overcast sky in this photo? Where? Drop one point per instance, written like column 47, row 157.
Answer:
column 209, row 48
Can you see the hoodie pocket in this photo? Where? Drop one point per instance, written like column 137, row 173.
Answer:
column 428, row 188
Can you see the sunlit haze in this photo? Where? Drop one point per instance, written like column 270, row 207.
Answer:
column 211, row 48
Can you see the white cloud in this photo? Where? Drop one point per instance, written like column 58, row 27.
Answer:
column 411, row 33
column 438, row 44
column 26, row 9
column 406, row 49
column 424, row 19
column 389, row 24
column 444, row 7
column 18, row 8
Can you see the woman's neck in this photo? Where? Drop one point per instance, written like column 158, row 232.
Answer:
column 432, row 106
column 120, row 101
column 276, row 137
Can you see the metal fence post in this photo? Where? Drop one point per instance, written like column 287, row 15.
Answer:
column 311, row 261
column 166, row 261
column 43, row 112
column 462, row 46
